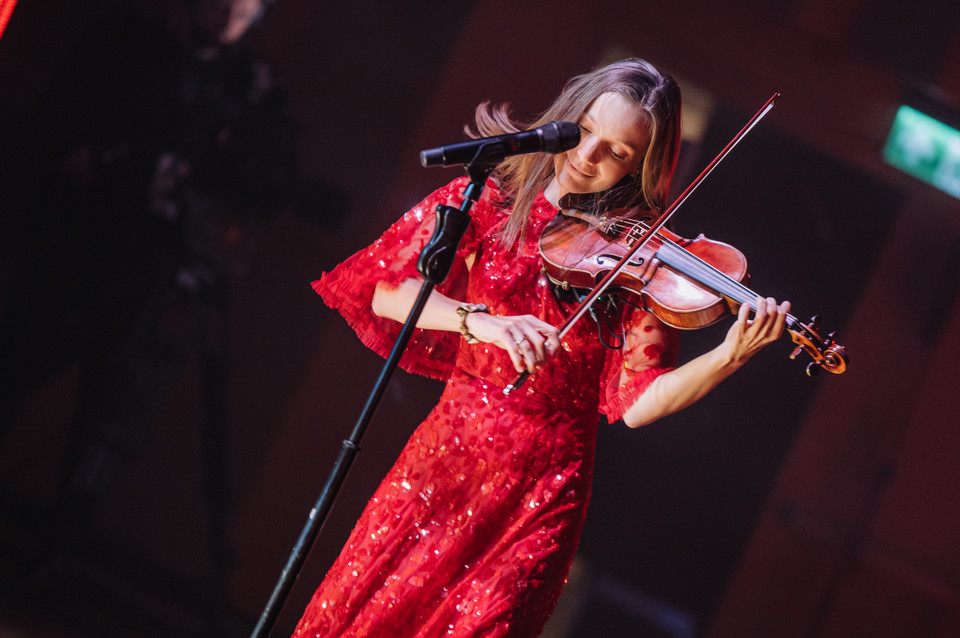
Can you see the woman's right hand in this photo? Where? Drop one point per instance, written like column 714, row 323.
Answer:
column 528, row 340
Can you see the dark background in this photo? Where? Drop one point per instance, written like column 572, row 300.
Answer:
column 778, row 506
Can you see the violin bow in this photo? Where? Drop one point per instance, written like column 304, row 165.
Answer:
column 652, row 230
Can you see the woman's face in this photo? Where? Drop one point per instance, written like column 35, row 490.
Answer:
column 614, row 135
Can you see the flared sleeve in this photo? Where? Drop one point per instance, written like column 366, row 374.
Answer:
column 650, row 348
column 391, row 259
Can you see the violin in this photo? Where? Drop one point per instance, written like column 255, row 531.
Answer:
column 687, row 283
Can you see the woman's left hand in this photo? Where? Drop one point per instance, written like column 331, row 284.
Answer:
column 748, row 336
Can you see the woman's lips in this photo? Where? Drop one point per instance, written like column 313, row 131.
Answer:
column 578, row 170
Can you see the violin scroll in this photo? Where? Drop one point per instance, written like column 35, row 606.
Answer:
column 826, row 353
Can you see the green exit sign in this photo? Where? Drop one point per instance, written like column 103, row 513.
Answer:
column 926, row 148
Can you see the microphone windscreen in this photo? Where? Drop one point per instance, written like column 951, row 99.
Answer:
column 560, row 136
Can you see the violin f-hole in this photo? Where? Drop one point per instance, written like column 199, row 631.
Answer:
column 635, row 263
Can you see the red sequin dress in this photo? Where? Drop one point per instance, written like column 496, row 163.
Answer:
column 474, row 529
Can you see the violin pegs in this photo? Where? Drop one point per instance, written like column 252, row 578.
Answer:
column 796, row 352
column 813, row 368
column 814, row 323
column 831, row 338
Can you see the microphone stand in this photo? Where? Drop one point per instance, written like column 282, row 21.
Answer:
column 434, row 264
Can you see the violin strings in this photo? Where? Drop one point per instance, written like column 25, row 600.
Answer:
column 698, row 269
column 707, row 274
column 703, row 272
column 713, row 278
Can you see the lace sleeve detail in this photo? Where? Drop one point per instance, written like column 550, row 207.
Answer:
column 392, row 258
column 650, row 349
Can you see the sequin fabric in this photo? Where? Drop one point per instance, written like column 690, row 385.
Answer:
column 473, row 530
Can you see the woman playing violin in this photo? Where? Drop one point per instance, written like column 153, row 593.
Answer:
column 472, row 532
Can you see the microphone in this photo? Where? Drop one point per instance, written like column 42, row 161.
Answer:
column 552, row 137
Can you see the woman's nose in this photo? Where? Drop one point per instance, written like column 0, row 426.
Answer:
column 588, row 149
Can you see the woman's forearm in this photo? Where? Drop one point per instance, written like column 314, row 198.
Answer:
column 680, row 388
column 527, row 339
column 440, row 312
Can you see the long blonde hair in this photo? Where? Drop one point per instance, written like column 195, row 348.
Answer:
column 522, row 177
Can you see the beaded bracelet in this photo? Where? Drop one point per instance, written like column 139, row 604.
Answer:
column 465, row 309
